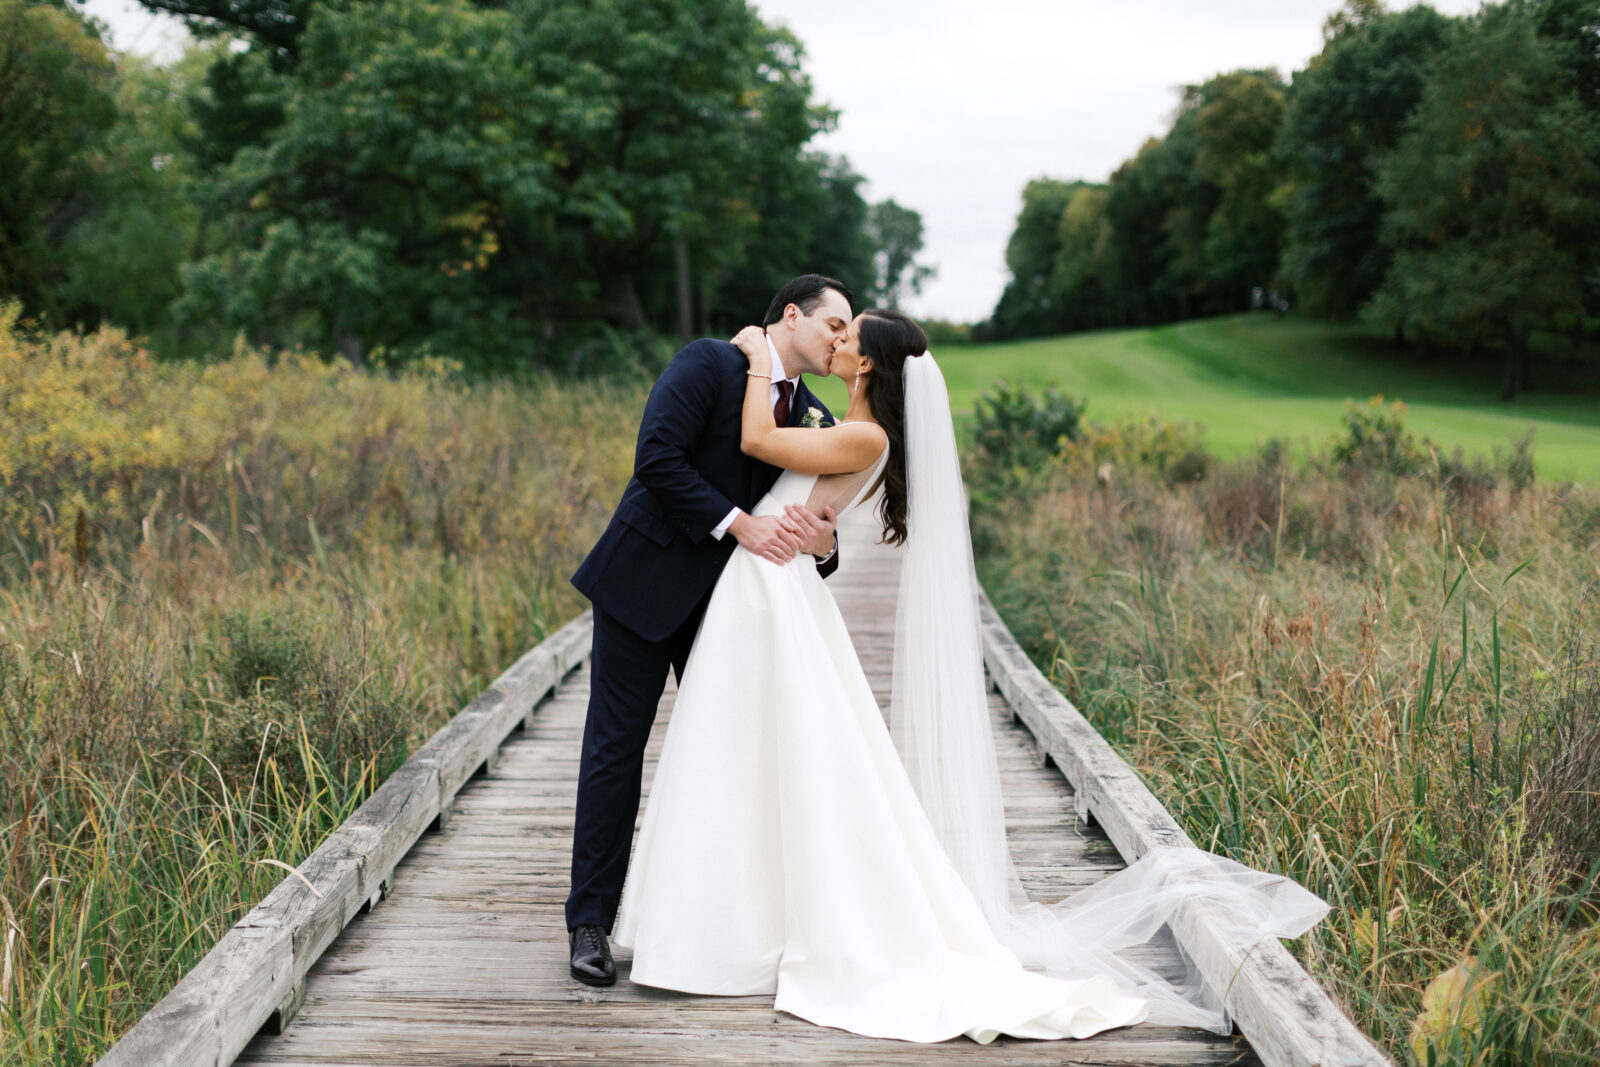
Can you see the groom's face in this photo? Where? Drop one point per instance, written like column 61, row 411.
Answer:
column 816, row 334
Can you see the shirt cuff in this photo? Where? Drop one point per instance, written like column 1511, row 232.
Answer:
column 722, row 527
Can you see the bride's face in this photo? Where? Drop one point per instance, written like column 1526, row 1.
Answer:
column 847, row 357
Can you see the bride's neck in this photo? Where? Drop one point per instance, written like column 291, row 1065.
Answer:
column 859, row 410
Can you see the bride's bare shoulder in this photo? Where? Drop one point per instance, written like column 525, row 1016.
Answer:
column 866, row 430
column 869, row 440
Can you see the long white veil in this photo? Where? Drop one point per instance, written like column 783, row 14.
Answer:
column 940, row 722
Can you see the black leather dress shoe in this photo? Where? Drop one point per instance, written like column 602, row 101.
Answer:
column 591, row 956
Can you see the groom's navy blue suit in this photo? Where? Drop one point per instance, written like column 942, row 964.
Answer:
column 649, row 578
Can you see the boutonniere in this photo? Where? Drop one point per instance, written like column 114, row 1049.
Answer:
column 812, row 419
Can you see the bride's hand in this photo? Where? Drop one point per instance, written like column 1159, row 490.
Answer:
column 752, row 341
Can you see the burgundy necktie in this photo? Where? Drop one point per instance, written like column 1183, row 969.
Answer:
column 780, row 410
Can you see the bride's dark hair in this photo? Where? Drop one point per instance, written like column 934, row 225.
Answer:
column 888, row 338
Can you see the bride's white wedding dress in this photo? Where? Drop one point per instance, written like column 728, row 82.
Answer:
column 784, row 851
column 794, row 846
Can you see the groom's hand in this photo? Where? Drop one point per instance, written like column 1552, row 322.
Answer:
column 766, row 536
column 816, row 535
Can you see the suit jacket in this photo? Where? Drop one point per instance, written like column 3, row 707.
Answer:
column 657, row 560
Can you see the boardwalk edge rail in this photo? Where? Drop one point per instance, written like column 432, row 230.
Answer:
column 1288, row 1018
column 255, row 976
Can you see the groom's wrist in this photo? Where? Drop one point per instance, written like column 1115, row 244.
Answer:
column 726, row 524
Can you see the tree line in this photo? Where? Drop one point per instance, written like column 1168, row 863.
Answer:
column 503, row 182
column 1437, row 175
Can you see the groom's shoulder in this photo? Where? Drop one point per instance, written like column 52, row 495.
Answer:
column 708, row 350
column 705, row 357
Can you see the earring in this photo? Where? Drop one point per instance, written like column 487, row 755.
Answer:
column 856, row 386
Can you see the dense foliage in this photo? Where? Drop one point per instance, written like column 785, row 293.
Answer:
column 530, row 183
column 1438, row 175
column 55, row 87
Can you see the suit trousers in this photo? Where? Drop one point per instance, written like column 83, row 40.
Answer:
column 627, row 676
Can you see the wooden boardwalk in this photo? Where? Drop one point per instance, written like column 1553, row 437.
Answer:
column 465, row 962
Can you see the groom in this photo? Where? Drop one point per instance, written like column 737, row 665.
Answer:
column 651, row 573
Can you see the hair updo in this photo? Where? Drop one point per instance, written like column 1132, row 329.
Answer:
column 889, row 338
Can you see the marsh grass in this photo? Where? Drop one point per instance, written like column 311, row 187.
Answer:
column 1377, row 678
column 232, row 597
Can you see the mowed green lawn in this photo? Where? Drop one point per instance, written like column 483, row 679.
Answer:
column 1250, row 378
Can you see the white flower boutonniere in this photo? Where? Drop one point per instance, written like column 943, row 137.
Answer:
column 812, row 419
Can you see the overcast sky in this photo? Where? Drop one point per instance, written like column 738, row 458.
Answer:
column 950, row 106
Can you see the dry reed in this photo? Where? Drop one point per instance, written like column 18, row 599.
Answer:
column 1380, row 683
column 232, row 596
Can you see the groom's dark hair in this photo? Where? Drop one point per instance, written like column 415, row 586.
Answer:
column 805, row 292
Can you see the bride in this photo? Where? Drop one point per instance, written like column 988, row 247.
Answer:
column 794, row 847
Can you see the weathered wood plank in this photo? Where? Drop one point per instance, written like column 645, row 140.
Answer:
column 584, row 1038
column 256, row 972
column 233, row 990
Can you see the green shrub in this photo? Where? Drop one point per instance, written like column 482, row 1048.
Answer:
column 264, row 651
column 1190, row 466
column 1517, row 462
column 1376, row 439
column 1012, row 428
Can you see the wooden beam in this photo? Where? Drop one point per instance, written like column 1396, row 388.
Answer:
column 255, row 976
column 1289, row 1019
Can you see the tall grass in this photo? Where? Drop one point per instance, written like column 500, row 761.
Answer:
column 232, row 597
column 1377, row 674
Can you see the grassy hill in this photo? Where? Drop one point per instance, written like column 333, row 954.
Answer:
column 1248, row 378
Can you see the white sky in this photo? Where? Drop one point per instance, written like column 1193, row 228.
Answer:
column 950, row 106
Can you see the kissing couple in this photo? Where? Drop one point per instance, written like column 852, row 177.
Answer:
column 792, row 845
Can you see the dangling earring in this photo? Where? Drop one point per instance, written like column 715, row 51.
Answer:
column 856, row 386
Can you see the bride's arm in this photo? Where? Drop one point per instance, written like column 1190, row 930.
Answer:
column 844, row 449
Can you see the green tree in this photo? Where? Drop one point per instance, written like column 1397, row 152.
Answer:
column 55, row 105
column 1135, row 251
column 810, row 216
column 447, row 175
column 1571, row 28
column 123, row 258
column 1491, row 190
column 1028, row 306
column 246, row 92
column 1159, row 209
column 832, row 218
column 896, row 232
column 669, row 116
column 1237, row 124
column 277, row 25
column 1347, row 109
column 1080, row 269
column 774, row 210
column 387, row 192
column 242, row 105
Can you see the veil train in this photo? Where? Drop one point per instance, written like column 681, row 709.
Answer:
column 939, row 719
